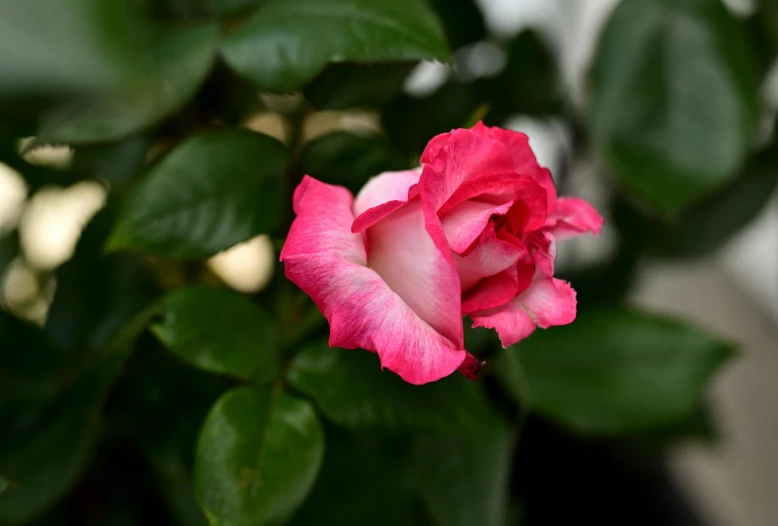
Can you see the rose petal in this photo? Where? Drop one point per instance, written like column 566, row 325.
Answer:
column 404, row 254
column 499, row 289
column 327, row 261
column 491, row 256
column 452, row 158
column 523, row 159
column 543, row 248
column 547, row 302
column 572, row 217
column 382, row 195
column 502, row 187
column 465, row 223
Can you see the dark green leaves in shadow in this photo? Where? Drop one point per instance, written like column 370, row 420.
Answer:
column 214, row 190
column 98, row 295
column 349, row 160
column 374, row 468
column 49, row 406
column 707, row 225
column 352, row 390
column 257, row 457
column 462, row 21
column 61, row 48
column 464, row 477
column 176, row 67
column 616, row 371
column 529, row 84
column 115, row 162
column 286, row 43
column 345, row 85
column 219, row 330
column 152, row 391
column 411, row 122
column 673, row 99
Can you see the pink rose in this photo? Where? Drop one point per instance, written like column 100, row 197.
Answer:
column 473, row 232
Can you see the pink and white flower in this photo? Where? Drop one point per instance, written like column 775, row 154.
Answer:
column 473, row 232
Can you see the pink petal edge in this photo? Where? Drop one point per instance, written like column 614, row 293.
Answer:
column 547, row 302
column 328, row 262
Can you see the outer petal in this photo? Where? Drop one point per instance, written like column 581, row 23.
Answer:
column 572, row 217
column 547, row 302
column 455, row 157
column 465, row 223
column 491, row 256
column 382, row 195
column 404, row 254
column 498, row 188
column 523, row 159
column 327, row 261
column 452, row 158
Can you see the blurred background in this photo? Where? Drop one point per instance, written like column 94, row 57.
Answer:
column 661, row 113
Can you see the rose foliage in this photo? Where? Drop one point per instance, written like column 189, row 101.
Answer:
column 251, row 273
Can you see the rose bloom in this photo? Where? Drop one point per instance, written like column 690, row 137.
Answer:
column 473, row 232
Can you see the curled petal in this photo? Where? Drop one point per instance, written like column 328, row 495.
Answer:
column 543, row 248
column 465, row 223
column 547, row 302
column 453, row 158
column 523, row 159
column 490, row 256
column 382, row 195
column 499, row 289
column 572, row 217
column 503, row 187
column 327, row 261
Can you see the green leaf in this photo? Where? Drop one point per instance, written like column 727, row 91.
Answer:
column 215, row 190
column 43, row 466
column 529, row 84
column 347, row 159
column 697, row 426
column 257, row 457
column 29, row 363
column 174, row 70
column 352, row 390
column 464, row 478
column 62, row 47
column 152, row 391
column 342, row 85
column 286, row 43
column 50, row 415
column 98, row 295
column 462, row 21
column 115, row 162
column 762, row 27
column 707, row 225
column 226, row 7
column 365, row 479
column 219, row 330
column 412, row 122
column 194, row 9
column 618, row 371
column 674, row 99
